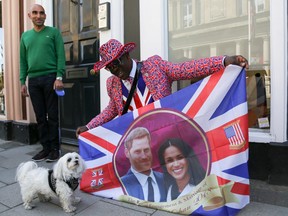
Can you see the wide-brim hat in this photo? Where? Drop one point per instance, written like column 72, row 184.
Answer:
column 112, row 50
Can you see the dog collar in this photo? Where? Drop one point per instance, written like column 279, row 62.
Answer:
column 72, row 183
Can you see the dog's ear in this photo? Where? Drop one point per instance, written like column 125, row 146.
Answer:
column 58, row 169
column 82, row 166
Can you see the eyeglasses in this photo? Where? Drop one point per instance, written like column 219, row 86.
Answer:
column 114, row 64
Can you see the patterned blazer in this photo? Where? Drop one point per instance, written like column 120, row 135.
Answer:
column 158, row 75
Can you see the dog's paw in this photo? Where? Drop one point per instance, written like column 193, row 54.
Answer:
column 76, row 200
column 28, row 206
column 70, row 209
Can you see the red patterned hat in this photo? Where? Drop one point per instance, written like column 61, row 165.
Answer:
column 112, row 50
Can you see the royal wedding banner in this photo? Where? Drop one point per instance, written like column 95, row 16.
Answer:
column 210, row 118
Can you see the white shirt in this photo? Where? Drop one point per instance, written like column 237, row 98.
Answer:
column 188, row 188
column 132, row 72
column 143, row 180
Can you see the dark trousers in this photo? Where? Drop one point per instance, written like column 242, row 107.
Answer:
column 45, row 105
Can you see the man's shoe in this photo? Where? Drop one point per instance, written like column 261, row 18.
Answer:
column 40, row 156
column 53, row 156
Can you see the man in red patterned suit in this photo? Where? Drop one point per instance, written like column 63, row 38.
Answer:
column 154, row 81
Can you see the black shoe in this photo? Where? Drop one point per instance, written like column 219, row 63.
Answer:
column 53, row 156
column 40, row 156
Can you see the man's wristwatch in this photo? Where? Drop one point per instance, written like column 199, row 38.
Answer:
column 59, row 78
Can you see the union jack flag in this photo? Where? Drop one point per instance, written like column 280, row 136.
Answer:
column 212, row 113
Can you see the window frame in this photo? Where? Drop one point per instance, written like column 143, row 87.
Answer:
column 278, row 52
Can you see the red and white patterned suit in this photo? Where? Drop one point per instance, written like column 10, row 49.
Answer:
column 158, row 74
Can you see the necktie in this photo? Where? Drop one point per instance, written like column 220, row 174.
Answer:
column 150, row 190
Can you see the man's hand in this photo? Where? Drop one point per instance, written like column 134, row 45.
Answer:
column 58, row 84
column 24, row 91
column 236, row 60
column 80, row 130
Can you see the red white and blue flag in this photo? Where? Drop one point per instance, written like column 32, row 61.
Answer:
column 210, row 115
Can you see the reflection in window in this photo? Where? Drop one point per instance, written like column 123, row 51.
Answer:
column 199, row 11
column 217, row 9
column 260, row 5
column 187, row 14
column 241, row 29
column 239, row 8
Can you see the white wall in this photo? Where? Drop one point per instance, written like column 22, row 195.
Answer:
column 278, row 28
column 153, row 28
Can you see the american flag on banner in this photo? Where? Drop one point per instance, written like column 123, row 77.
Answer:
column 210, row 116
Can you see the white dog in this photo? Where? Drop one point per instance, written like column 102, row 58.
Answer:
column 45, row 183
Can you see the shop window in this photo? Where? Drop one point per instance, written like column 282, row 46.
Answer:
column 248, row 34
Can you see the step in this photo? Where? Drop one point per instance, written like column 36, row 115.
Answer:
column 262, row 192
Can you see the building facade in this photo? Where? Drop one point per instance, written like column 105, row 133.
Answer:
column 176, row 30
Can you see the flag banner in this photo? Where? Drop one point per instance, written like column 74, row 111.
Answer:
column 186, row 153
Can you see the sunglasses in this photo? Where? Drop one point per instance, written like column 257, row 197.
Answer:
column 113, row 64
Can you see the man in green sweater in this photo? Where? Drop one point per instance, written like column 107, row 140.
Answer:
column 42, row 60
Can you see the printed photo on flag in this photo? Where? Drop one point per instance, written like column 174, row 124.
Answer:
column 186, row 153
column 170, row 129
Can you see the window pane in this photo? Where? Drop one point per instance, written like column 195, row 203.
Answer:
column 203, row 28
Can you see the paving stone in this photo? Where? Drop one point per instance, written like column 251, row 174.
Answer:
column 262, row 209
column 10, row 195
column 9, row 145
column 8, row 176
column 263, row 192
column 42, row 209
column 130, row 206
column 2, row 184
column 11, row 158
column 105, row 208
column 3, row 208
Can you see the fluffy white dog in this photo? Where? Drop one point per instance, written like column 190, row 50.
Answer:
column 45, row 183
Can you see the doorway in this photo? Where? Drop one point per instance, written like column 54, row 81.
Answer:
column 77, row 21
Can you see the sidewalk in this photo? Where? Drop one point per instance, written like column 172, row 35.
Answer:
column 13, row 153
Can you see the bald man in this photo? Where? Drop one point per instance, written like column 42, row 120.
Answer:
column 42, row 61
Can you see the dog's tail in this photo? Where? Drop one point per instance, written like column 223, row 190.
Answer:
column 24, row 168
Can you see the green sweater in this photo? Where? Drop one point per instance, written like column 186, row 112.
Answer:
column 41, row 53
